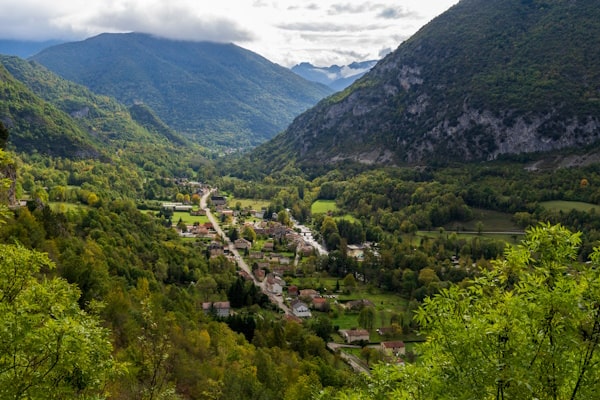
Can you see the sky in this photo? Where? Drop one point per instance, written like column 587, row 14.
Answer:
column 322, row 32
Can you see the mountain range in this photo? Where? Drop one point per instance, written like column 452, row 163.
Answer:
column 335, row 76
column 484, row 79
column 48, row 115
column 213, row 93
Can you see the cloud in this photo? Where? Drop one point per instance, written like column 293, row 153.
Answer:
column 348, row 8
column 396, row 13
column 168, row 20
column 328, row 27
column 179, row 19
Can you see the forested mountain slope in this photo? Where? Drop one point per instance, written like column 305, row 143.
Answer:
column 206, row 90
column 36, row 125
column 483, row 79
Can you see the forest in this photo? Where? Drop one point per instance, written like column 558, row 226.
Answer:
column 108, row 272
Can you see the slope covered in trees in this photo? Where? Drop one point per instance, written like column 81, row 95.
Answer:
column 213, row 93
column 483, row 79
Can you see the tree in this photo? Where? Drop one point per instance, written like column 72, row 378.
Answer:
column 249, row 233
column 49, row 347
column 366, row 318
column 529, row 328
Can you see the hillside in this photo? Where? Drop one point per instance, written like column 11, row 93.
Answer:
column 208, row 91
column 483, row 79
column 36, row 126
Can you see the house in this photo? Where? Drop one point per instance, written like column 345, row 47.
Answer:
column 354, row 335
column 308, row 293
column 218, row 200
column 320, row 303
column 359, row 304
column 395, row 348
column 293, row 290
column 176, row 207
column 273, row 285
column 218, row 308
column 268, row 246
column 216, row 249
column 300, row 309
column 242, row 244
column 221, row 308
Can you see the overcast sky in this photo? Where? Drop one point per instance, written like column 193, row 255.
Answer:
column 287, row 32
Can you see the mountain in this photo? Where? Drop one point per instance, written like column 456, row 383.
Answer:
column 485, row 78
column 336, row 77
column 50, row 115
column 36, row 126
column 24, row 48
column 205, row 90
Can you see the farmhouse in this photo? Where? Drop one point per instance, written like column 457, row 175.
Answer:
column 396, row 348
column 354, row 335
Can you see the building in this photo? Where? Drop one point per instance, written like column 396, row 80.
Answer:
column 300, row 309
column 395, row 348
column 320, row 303
column 218, row 200
column 218, row 308
column 354, row 335
column 242, row 244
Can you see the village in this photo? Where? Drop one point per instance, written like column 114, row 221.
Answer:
column 278, row 256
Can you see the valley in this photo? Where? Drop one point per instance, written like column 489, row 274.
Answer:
column 189, row 220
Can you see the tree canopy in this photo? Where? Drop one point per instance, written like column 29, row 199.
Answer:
column 49, row 347
column 527, row 328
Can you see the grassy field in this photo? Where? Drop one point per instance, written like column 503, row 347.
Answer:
column 566, row 206
column 323, row 206
column 492, row 221
column 189, row 219
column 252, row 204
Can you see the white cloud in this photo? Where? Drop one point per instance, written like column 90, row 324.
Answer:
column 285, row 31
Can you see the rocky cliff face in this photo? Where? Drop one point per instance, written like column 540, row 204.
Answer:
column 483, row 79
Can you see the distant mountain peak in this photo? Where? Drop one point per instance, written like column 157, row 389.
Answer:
column 335, row 76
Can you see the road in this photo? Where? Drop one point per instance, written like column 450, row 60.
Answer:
column 308, row 237
column 241, row 263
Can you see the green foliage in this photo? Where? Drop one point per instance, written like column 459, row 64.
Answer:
column 50, row 348
column 527, row 328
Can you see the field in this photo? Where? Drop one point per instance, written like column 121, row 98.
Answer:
column 492, row 221
column 323, row 206
column 566, row 206
column 252, row 204
column 188, row 219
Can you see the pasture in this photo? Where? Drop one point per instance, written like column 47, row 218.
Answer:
column 566, row 206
